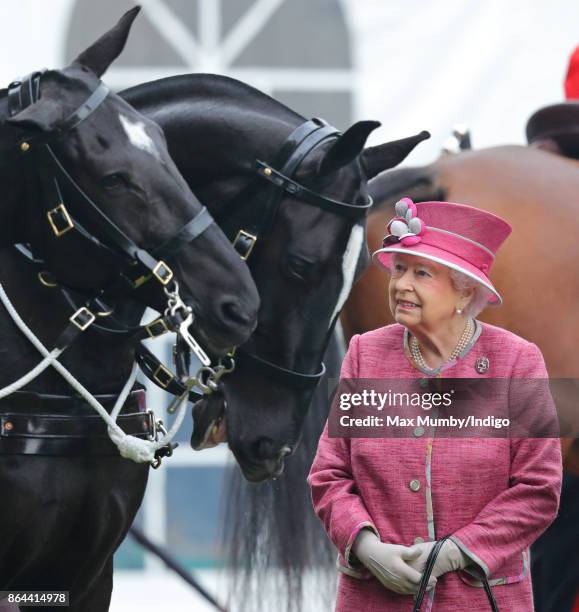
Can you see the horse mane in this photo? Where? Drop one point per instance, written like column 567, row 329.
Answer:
column 418, row 183
column 272, row 570
column 210, row 85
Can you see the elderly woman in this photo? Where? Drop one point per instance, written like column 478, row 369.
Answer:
column 385, row 502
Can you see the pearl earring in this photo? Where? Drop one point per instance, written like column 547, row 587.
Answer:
column 459, row 311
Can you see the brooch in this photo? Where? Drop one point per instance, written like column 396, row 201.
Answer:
column 482, row 365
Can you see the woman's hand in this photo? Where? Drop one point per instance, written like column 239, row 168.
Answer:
column 450, row 558
column 390, row 563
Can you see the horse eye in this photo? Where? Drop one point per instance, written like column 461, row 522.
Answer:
column 298, row 268
column 114, row 181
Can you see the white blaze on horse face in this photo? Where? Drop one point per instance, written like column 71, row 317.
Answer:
column 349, row 264
column 138, row 137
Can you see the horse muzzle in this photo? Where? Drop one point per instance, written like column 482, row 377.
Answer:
column 209, row 422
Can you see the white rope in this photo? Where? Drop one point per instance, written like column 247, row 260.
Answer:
column 130, row 447
column 18, row 384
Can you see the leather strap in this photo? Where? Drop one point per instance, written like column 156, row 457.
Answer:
column 51, row 403
column 30, row 425
column 33, row 423
column 428, row 571
column 289, row 378
column 162, row 376
column 343, row 209
column 200, row 222
column 67, row 436
column 84, row 110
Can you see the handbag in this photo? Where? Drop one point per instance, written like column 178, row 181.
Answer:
column 426, row 577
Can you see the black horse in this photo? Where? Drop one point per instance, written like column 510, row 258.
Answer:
column 292, row 196
column 116, row 187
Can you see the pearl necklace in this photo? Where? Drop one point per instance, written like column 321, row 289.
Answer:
column 463, row 341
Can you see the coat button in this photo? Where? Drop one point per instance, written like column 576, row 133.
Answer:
column 419, row 431
column 418, row 540
column 414, row 485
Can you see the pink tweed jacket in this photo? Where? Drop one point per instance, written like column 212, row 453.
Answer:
column 494, row 495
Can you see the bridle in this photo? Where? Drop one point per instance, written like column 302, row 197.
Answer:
column 136, row 265
column 299, row 144
column 139, row 264
column 255, row 228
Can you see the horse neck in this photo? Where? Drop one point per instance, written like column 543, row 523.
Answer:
column 215, row 127
column 101, row 361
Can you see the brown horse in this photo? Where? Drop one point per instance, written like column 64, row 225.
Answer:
column 536, row 271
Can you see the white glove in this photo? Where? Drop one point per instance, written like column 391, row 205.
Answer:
column 390, row 563
column 450, row 558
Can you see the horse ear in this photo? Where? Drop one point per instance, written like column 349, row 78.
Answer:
column 390, row 154
column 348, row 146
column 101, row 54
column 43, row 115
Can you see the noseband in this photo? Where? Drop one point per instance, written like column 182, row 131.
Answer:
column 299, row 144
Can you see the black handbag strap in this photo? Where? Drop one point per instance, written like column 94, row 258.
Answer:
column 428, row 571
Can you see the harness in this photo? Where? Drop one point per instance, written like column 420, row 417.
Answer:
column 279, row 184
column 299, row 144
column 136, row 266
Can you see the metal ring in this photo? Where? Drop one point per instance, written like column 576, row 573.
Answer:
column 106, row 313
column 171, row 293
column 227, row 369
column 45, row 281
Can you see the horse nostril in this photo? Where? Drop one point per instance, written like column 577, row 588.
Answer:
column 231, row 311
column 264, row 448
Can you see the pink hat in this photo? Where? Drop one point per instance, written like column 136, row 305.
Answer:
column 460, row 237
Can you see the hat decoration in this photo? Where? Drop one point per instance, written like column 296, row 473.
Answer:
column 405, row 227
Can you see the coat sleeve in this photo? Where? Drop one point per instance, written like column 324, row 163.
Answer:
column 334, row 494
column 516, row 517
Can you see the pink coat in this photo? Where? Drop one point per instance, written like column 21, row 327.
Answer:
column 495, row 495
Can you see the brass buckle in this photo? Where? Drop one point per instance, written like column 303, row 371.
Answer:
column 77, row 318
column 162, row 272
column 150, row 328
column 247, row 250
column 163, row 371
column 63, row 215
column 141, row 281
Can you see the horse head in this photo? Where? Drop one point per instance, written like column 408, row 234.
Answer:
column 304, row 271
column 292, row 196
column 104, row 169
